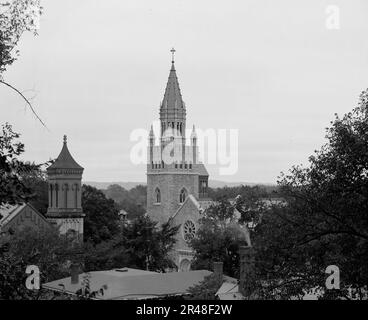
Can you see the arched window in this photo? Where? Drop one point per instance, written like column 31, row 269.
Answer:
column 183, row 195
column 158, row 195
column 51, row 195
column 56, row 195
column 66, row 189
column 75, row 189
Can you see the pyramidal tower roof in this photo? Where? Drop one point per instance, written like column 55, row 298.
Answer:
column 65, row 159
column 172, row 97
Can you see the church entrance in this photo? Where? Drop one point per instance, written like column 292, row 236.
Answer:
column 184, row 265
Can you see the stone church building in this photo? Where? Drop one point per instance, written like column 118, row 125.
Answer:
column 177, row 181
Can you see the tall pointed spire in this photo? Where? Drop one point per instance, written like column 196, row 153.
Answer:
column 172, row 97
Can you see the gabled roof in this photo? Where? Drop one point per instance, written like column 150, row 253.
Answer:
column 202, row 171
column 8, row 212
column 190, row 198
column 133, row 285
column 172, row 97
column 65, row 159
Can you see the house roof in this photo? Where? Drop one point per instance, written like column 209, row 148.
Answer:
column 65, row 159
column 133, row 284
column 229, row 291
column 8, row 212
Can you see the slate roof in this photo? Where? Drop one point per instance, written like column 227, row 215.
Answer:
column 8, row 212
column 134, row 284
column 172, row 97
column 65, row 159
column 201, row 169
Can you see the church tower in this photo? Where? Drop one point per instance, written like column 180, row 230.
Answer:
column 65, row 194
column 173, row 171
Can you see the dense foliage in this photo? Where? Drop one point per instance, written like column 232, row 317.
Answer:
column 133, row 201
column 325, row 221
column 13, row 188
column 101, row 222
column 248, row 193
column 46, row 249
column 141, row 244
column 218, row 239
column 206, row 289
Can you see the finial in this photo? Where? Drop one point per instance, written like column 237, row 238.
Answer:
column 151, row 132
column 172, row 54
column 64, row 138
column 193, row 134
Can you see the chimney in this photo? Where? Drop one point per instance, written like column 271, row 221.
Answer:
column 74, row 270
column 218, row 269
column 247, row 271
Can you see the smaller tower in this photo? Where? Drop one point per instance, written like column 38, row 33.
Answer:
column 65, row 194
column 193, row 143
column 151, row 141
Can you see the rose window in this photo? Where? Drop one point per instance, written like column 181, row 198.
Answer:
column 189, row 230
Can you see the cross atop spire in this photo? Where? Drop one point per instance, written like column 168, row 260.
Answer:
column 172, row 54
column 64, row 138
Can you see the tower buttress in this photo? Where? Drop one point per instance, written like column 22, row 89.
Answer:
column 193, row 143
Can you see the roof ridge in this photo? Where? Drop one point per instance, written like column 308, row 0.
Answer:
column 65, row 160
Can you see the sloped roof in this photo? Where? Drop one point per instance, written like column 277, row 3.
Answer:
column 172, row 97
column 229, row 291
column 202, row 171
column 134, row 286
column 190, row 198
column 65, row 159
column 8, row 212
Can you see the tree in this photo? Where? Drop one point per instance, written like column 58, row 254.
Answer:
column 140, row 244
column 148, row 246
column 36, row 181
column 206, row 289
column 13, row 188
column 101, row 222
column 218, row 239
column 46, row 249
column 133, row 201
column 16, row 17
column 325, row 221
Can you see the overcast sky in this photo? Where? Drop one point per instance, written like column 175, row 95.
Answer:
column 270, row 69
